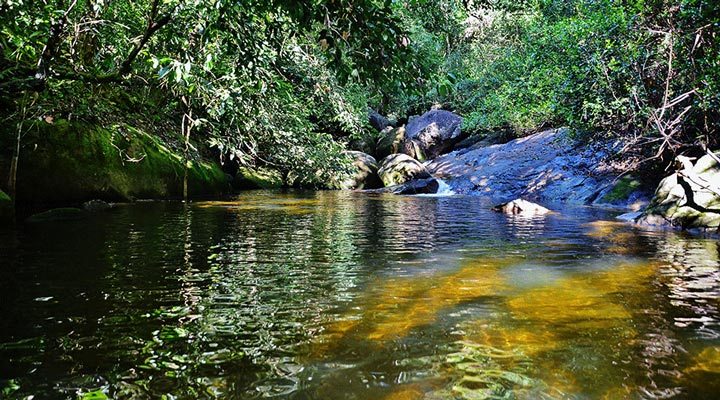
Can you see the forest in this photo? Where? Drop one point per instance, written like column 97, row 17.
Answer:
column 287, row 85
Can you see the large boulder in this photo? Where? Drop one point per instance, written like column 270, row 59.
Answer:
column 689, row 198
column 397, row 169
column 366, row 172
column 377, row 120
column 435, row 132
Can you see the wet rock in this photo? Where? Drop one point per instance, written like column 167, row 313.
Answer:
column 58, row 214
column 397, row 169
column 416, row 186
column 435, row 133
column 521, row 207
column 366, row 172
column 96, row 205
column 689, row 198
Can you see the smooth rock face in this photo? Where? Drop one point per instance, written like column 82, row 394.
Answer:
column 688, row 199
column 522, row 207
column 435, row 132
column 546, row 166
column 397, row 169
column 366, row 172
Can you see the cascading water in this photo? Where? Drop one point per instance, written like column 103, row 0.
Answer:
column 443, row 190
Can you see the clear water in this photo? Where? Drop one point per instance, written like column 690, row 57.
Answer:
column 332, row 295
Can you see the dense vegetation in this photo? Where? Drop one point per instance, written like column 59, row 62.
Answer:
column 287, row 84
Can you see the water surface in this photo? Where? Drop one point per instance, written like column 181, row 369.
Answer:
column 331, row 295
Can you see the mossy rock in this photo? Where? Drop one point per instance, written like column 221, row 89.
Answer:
column 397, row 169
column 622, row 190
column 258, row 178
column 73, row 162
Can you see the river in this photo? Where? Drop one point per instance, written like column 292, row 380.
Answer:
column 340, row 295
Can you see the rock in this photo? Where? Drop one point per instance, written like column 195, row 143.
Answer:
column 549, row 166
column 416, row 186
column 58, row 214
column 435, row 132
column 366, row 172
column 397, row 169
column 522, row 207
column 687, row 199
column 390, row 142
column 96, row 205
column 377, row 121
column 257, row 178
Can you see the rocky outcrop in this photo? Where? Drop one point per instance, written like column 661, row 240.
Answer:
column 689, row 198
column 521, row 207
column 397, row 169
column 416, row 186
column 366, row 172
column 432, row 134
column 547, row 166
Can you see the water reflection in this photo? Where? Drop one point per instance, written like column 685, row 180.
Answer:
column 346, row 295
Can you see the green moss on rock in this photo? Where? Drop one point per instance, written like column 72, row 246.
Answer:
column 622, row 190
column 258, row 178
column 66, row 162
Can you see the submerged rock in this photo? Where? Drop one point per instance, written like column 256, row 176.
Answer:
column 689, row 198
column 521, row 207
column 366, row 172
column 58, row 214
column 397, row 169
column 434, row 133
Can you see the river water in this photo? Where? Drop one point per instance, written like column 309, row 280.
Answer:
column 338, row 295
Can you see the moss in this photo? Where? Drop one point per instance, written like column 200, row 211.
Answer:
column 258, row 178
column 622, row 190
column 4, row 198
column 67, row 162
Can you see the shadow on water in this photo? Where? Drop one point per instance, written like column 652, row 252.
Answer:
column 310, row 295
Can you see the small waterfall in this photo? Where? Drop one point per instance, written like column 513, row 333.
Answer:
column 443, row 190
